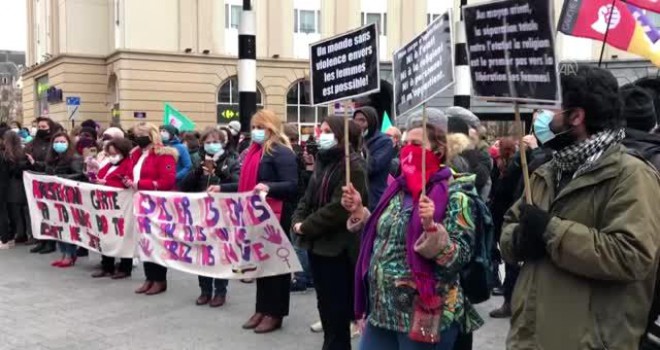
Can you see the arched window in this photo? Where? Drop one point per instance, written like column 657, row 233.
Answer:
column 299, row 109
column 227, row 103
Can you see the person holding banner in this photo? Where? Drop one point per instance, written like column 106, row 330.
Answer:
column 37, row 151
column 378, row 150
column 154, row 169
column 414, row 246
column 319, row 224
column 270, row 167
column 219, row 166
column 588, row 240
column 62, row 161
column 115, row 173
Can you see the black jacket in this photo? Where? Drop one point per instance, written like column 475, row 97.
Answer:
column 16, row 192
column 38, row 148
column 320, row 211
column 227, row 171
column 279, row 171
column 64, row 167
column 646, row 144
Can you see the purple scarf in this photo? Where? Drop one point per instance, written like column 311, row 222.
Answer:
column 422, row 268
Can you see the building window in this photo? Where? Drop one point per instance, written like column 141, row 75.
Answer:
column 379, row 18
column 430, row 17
column 299, row 109
column 306, row 21
column 232, row 16
column 227, row 103
column 41, row 96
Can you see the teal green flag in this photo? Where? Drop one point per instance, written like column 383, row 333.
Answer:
column 177, row 119
column 387, row 123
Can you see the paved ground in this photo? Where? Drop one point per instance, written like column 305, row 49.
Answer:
column 42, row 307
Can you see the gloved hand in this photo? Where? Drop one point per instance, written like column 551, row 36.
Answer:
column 528, row 236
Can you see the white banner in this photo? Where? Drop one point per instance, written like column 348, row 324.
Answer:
column 95, row 217
column 230, row 236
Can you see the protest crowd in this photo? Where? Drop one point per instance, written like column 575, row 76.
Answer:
column 401, row 264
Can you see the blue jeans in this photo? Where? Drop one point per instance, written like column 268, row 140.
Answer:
column 376, row 338
column 303, row 278
column 209, row 285
column 68, row 249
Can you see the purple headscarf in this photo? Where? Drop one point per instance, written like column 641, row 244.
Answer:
column 422, row 268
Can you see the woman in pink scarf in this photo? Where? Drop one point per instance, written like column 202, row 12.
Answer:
column 270, row 166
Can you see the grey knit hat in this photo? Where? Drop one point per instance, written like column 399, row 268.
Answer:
column 435, row 117
column 464, row 114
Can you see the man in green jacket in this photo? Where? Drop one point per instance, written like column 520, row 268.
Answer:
column 588, row 242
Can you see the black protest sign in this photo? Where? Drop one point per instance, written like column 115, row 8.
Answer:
column 511, row 51
column 345, row 66
column 424, row 67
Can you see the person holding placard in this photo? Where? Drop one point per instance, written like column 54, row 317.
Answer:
column 319, row 224
column 588, row 240
column 269, row 167
column 414, row 246
column 116, row 173
column 218, row 166
column 378, row 150
column 154, row 169
column 62, row 161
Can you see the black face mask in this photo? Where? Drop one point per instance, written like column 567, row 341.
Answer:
column 42, row 134
column 143, row 141
column 563, row 137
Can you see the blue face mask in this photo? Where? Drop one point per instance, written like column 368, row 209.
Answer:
column 327, row 141
column 213, row 148
column 545, row 135
column 258, row 136
column 60, row 147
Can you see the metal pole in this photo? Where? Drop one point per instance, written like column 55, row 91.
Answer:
column 247, row 66
column 347, row 147
column 607, row 31
column 463, row 86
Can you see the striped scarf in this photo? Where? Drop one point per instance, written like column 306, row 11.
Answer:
column 580, row 157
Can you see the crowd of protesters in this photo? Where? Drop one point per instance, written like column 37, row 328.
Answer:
column 398, row 261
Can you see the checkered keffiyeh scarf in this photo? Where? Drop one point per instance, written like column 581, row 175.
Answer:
column 579, row 158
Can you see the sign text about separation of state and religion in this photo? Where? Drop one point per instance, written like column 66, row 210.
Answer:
column 511, row 50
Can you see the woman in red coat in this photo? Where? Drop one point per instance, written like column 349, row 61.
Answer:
column 118, row 169
column 154, row 169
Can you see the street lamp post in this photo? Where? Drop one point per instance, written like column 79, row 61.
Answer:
column 247, row 66
column 463, row 85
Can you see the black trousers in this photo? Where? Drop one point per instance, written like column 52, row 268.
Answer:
column 154, row 272
column 333, row 280
column 273, row 295
column 463, row 341
column 512, row 272
column 6, row 233
column 19, row 215
column 108, row 264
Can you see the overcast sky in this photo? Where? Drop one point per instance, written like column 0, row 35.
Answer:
column 13, row 27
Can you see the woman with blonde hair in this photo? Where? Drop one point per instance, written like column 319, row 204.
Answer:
column 270, row 166
column 154, row 169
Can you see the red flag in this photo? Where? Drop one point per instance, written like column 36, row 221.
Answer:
column 590, row 18
column 651, row 5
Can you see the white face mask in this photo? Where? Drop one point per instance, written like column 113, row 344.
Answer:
column 16, row 130
column 114, row 160
column 33, row 132
column 327, row 141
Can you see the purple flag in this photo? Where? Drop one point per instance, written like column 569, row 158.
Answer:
column 651, row 31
